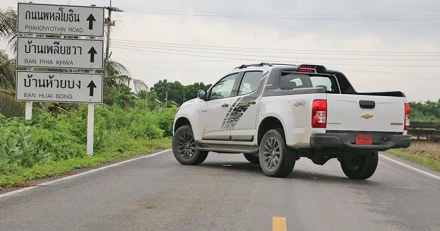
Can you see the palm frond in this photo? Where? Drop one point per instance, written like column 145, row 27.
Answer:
column 120, row 79
column 139, row 85
column 115, row 68
column 8, row 26
column 12, row 43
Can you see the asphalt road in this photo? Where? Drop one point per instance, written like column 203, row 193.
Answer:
column 227, row 193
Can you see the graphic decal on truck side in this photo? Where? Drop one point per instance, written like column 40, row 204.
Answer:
column 231, row 116
column 239, row 107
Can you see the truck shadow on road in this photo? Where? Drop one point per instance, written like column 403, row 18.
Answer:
column 297, row 175
column 325, row 178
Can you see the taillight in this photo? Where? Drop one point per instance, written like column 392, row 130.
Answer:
column 407, row 120
column 319, row 113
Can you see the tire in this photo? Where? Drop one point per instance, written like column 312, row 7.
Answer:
column 252, row 158
column 275, row 163
column 183, row 145
column 360, row 166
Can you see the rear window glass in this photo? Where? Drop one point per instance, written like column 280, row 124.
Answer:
column 289, row 81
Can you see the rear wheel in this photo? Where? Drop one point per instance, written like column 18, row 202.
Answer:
column 360, row 166
column 276, row 159
column 254, row 159
column 184, row 147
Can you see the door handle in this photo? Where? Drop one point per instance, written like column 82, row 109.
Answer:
column 246, row 104
column 225, row 105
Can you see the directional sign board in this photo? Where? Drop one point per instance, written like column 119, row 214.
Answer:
column 60, row 53
column 60, row 19
column 59, row 87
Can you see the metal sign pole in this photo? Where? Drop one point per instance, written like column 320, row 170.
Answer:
column 90, row 127
column 29, row 104
column 90, row 124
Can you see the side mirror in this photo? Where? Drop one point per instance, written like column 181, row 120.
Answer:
column 201, row 94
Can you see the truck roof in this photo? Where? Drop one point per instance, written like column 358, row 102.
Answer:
column 277, row 68
column 306, row 68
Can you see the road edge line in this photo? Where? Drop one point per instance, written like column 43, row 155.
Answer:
column 411, row 167
column 80, row 174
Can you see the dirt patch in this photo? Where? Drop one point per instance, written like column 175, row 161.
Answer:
column 24, row 185
column 424, row 145
column 67, row 174
column 424, row 148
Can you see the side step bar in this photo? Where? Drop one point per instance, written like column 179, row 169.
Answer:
column 222, row 148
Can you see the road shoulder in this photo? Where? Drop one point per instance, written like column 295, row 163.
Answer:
column 43, row 181
column 410, row 165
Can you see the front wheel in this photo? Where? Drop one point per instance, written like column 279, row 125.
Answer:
column 184, row 147
column 276, row 159
column 360, row 166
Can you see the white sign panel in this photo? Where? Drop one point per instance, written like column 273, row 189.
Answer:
column 59, row 87
column 60, row 19
column 60, row 53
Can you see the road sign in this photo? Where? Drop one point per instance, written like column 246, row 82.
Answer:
column 59, row 87
column 60, row 19
column 60, row 53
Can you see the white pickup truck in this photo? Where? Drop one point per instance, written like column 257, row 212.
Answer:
column 274, row 114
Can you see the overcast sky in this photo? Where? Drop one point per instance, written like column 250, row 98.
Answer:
column 380, row 45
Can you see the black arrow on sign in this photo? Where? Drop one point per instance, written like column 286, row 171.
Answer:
column 91, row 19
column 92, row 53
column 92, row 87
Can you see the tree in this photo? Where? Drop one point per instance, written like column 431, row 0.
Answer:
column 169, row 91
column 428, row 111
column 191, row 90
column 176, row 91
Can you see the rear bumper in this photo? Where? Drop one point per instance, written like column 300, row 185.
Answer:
column 381, row 141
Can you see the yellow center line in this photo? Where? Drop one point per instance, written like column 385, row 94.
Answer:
column 279, row 224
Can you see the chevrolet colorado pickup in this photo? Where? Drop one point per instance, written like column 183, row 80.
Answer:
column 274, row 114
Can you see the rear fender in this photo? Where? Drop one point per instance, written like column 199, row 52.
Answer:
column 265, row 114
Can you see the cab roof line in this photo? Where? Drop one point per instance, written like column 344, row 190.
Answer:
column 317, row 67
column 252, row 65
column 270, row 65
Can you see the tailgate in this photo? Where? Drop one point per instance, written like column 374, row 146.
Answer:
column 365, row 113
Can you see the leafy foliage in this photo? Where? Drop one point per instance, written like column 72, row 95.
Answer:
column 49, row 138
column 176, row 91
column 428, row 111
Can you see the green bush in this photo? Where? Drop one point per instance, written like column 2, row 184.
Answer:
column 49, row 138
column 428, row 111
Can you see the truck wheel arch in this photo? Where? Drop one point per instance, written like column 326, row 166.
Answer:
column 181, row 122
column 268, row 123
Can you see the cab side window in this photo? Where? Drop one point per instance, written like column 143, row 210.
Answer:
column 250, row 83
column 224, row 88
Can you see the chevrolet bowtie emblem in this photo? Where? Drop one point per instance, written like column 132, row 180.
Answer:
column 367, row 116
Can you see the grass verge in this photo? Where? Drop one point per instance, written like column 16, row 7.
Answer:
column 16, row 176
column 423, row 158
